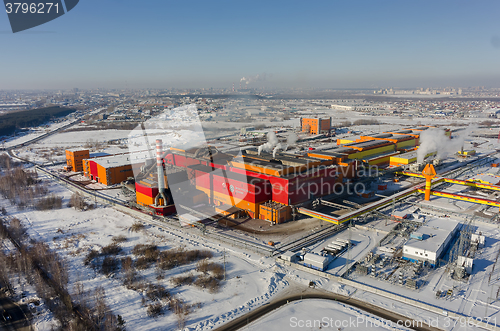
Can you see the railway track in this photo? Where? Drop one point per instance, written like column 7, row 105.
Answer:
column 308, row 240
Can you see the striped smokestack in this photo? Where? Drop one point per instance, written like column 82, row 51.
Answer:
column 159, row 171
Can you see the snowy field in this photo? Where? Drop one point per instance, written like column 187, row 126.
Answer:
column 79, row 138
column 251, row 280
column 318, row 314
column 34, row 132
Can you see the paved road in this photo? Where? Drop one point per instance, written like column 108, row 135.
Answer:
column 19, row 321
column 242, row 321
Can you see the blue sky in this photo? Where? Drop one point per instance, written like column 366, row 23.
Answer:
column 336, row 44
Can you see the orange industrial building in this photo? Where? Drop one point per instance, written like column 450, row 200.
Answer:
column 110, row 170
column 74, row 159
column 267, row 186
column 257, row 185
column 316, row 125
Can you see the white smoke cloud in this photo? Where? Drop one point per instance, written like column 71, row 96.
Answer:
column 272, row 141
column 291, row 140
column 252, row 79
column 435, row 140
column 277, row 148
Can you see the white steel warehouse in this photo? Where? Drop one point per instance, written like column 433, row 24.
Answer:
column 316, row 261
column 432, row 241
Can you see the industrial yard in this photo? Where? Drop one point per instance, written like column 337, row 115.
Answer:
column 374, row 212
column 237, row 165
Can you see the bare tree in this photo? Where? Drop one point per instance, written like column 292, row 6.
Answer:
column 77, row 201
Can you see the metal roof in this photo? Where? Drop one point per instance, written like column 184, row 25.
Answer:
column 311, row 257
column 368, row 144
column 434, row 233
column 381, row 135
column 114, row 161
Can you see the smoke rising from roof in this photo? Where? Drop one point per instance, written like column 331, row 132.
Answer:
column 435, row 140
column 291, row 140
column 277, row 148
column 272, row 141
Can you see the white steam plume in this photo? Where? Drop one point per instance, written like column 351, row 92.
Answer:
column 272, row 141
column 251, row 79
column 291, row 140
column 277, row 148
column 435, row 140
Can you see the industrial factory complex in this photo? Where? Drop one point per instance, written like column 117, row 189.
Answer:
column 406, row 211
column 304, row 166
column 287, row 176
column 253, row 183
column 269, row 180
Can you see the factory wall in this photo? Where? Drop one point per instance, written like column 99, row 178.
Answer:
column 184, row 161
column 406, row 158
column 102, row 174
column 108, row 176
column 274, row 212
column 246, row 189
column 316, row 125
column 252, row 163
column 380, row 160
column 144, row 199
column 335, row 158
column 297, row 189
column 231, row 188
column 220, row 199
column 119, row 174
column 325, row 124
column 403, row 159
column 74, row 159
column 256, row 168
column 407, row 143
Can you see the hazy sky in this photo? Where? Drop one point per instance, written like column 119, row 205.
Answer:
column 159, row 43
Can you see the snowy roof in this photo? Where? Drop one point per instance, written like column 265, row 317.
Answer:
column 315, row 258
column 289, row 254
column 98, row 154
column 486, row 178
column 121, row 160
column 77, row 149
column 434, row 233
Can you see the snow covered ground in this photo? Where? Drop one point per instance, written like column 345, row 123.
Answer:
column 34, row 132
column 251, row 279
column 79, row 138
column 318, row 314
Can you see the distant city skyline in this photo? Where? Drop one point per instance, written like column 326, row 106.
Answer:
column 195, row 44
